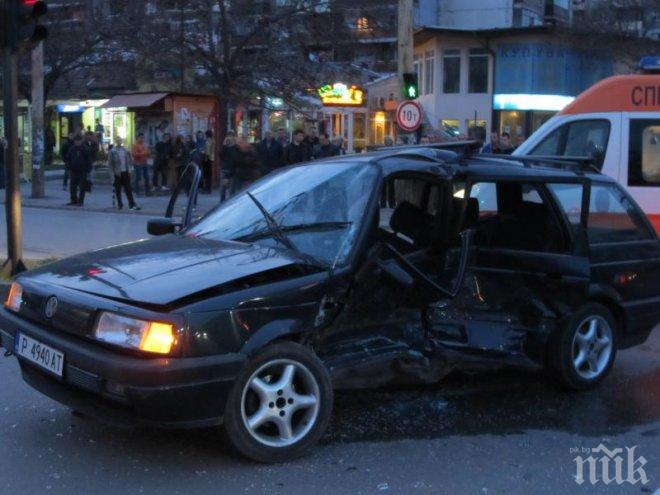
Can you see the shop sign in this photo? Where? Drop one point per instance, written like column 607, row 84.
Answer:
column 341, row 95
column 409, row 116
column 70, row 109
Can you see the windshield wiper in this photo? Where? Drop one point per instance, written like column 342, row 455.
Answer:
column 293, row 228
column 278, row 234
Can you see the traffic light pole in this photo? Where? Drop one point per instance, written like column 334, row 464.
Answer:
column 14, row 263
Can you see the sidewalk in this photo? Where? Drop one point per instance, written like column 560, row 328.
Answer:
column 100, row 199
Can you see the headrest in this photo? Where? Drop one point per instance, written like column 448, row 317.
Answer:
column 412, row 221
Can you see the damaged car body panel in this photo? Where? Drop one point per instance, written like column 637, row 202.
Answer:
column 393, row 267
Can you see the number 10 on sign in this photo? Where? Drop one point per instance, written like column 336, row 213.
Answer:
column 409, row 116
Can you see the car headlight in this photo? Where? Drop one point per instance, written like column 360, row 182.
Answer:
column 150, row 336
column 15, row 297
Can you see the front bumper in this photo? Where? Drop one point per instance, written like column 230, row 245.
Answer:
column 165, row 392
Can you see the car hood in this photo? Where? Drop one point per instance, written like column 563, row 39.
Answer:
column 163, row 270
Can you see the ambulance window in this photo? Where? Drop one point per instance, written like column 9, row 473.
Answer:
column 577, row 138
column 644, row 153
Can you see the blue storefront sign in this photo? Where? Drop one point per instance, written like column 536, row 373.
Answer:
column 548, row 69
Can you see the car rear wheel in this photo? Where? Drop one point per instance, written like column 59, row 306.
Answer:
column 280, row 404
column 585, row 349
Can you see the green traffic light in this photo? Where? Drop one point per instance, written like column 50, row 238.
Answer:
column 412, row 93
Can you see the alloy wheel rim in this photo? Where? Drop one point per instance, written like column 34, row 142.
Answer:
column 592, row 347
column 280, row 403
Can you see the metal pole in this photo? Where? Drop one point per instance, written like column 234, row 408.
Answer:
column 14, row 263
column 37, row 108
column 405, row 39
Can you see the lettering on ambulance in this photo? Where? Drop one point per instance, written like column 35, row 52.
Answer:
column 645, row 96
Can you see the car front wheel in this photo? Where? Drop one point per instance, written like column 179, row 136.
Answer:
column 585, row 349
column 280, row 404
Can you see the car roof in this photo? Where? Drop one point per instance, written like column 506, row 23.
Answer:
column 459, row 159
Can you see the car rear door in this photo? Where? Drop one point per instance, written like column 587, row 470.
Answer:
column 529, row 267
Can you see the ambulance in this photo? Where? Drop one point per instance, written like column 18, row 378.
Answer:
column 617, row 123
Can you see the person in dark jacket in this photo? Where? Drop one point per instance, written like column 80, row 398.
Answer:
column 2, row 162
column 312, row 139
column 325, row 148
column 246, row 165
column 64, row 154
column 505, row 146
column 270, row 152
column 227, row 153
column 296, row 151
column 164, row 152
column 79, row 159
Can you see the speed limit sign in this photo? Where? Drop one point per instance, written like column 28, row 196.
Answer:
column 409, row 116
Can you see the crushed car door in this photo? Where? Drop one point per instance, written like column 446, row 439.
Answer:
column 380, row 334
column 528, row 268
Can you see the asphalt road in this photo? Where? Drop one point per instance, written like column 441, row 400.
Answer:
column 497, row 433
column 502, row 433
column 49, row 232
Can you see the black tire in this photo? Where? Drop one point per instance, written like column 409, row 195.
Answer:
column 235, row 426
column 563, row 349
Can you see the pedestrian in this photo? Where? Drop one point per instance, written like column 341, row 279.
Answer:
column 325, row 148
column 296, row 151
column 388, row 141
column 80, row 165
column 312, row 138
column 3, row 147
column 49, row 145
column 282, row 137
column 338, row 141
column 140, row 156
column 164, row 151
column 99, row 130
column 181, row 157
column 494, row 144
column 93, row 147
column 227, row 153
column 207, row 164
column 121, row 166
column 64, row 154
column 505, row 146
column 270, row 153
column 246, row 165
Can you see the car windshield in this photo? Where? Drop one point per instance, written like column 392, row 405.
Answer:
column 317, row 211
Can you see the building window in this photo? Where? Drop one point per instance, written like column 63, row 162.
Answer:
column 362, row 25
column 476, row 129
column 429, row 72
column 451, row 77
column 644, row 153
column 417, row 68
column 451, row 126
column 478, row 75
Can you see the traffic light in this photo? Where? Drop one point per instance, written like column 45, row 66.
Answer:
column 21, row 22
column 410, row 87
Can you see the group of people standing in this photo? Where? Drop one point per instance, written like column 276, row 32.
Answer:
column 243, row 163
column 80, row 151
column 500, row 144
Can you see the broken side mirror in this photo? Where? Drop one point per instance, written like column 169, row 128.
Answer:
column 162, row 226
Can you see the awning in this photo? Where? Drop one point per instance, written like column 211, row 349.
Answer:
column 139, row 100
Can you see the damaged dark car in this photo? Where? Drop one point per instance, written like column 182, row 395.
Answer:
column 392, row 267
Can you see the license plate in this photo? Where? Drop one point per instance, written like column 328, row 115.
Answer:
column 39, row 353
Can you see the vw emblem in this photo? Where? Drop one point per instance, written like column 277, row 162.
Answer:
column 51, row 307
